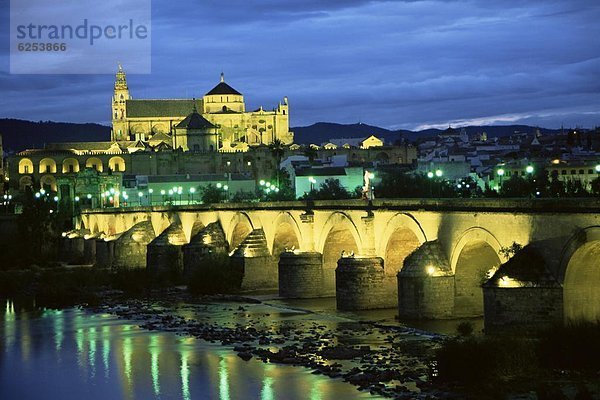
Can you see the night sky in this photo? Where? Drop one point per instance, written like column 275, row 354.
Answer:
column 395, row 64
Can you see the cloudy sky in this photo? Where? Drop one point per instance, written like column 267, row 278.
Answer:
column 395, row 64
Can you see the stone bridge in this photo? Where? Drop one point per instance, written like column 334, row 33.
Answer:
column 432, row 258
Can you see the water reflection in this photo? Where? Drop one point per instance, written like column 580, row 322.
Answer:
column 71, row 354
column 185, row 375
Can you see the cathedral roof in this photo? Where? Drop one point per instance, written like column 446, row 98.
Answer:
column 223, row 88
column 195, row 121
column 161, row 108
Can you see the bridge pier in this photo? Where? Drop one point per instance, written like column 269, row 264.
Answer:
column 89, row 250
column 105, row 250
column 164, row 255
column 131, row 247
column 300, row 275
column 426, row 284
column 254, row 263
column 523, row 295
column 72, row 248
column 210, row 239
column 360, row 284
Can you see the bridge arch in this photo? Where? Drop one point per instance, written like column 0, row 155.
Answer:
column 401, row 236
column 285, row 233
column 239, row 227
column 336, row 223
column 579, row 272
column 475, row 256
column 339, row 233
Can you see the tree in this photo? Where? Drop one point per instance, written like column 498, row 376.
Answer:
column 311, row 153
column 284, row 192
column 242, row 196
column 574, row 188
column 39, row 224
column 277, row 151
column 516, row 186
column 401, row 185
column 331, row 189
column 211, row 194
column 596, row 186
column 556, row 187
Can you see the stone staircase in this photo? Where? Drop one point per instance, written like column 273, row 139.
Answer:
column 253, row 245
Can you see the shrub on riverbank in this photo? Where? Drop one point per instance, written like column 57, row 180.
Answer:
column 492, row 366
column 216, row 275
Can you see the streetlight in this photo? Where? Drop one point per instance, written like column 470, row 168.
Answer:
column 598, row 168
column 500, row 173
column 430, row 178
column 192, row 191
column 438, row 173
column 529, row 169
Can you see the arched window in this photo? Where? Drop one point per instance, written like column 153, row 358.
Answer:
column 25, row 166
column 70, row 165
column 47, row 166
column 116, row 164
column 94, row 163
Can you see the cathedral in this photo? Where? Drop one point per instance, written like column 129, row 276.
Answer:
column 218, row 121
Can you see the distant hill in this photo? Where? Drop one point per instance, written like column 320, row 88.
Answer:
column 19, row 135
column 323, row 131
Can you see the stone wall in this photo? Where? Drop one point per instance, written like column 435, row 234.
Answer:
column 104, row 253
column 428, row 297
column 360, row 284
column 131, row 247
column 210, row 239
column 300, row 275
column 258, row 273
column 521, row 308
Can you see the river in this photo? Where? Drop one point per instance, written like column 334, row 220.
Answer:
column 77, row 354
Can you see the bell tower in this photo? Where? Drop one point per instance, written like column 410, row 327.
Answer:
column 120, row 130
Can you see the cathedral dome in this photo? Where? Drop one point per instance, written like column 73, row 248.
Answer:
column 223, row 88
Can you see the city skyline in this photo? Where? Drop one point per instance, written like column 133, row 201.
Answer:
column 399, row 65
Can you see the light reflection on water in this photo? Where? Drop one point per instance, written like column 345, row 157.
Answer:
column 71, row 354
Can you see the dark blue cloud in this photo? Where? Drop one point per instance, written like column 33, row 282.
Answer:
column 391, row 63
